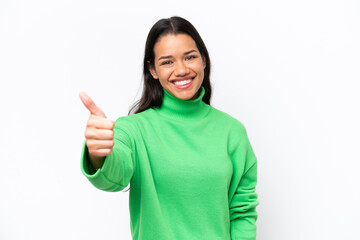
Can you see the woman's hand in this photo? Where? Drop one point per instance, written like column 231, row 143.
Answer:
column 99, row 133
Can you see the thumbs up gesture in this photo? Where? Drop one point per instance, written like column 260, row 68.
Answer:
column 99, row 132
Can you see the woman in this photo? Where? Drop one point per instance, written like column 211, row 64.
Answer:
column 191, row 168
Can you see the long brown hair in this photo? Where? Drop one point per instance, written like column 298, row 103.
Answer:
column 152, row 94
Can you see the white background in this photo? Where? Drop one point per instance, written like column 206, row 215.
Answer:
column 289, row 70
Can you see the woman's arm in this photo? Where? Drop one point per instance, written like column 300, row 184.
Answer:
column 118, row 167
column 243, row 207
column 107, row 158
column 243, row 199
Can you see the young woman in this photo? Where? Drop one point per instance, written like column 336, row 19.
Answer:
column 191, row 168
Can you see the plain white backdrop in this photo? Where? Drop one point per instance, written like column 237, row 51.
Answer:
column 289, row 70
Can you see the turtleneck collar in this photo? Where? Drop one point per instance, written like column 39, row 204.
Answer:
column 179, row 109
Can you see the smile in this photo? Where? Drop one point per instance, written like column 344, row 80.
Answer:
column 183, row 83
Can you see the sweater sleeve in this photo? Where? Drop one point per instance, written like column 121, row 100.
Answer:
column 243, row 199
column 119, row 166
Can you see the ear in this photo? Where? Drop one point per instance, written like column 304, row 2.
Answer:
column 204, row 61
column 152, row 70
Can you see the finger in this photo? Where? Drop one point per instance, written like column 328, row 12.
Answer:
column 99, row 144
column 90, row 105
column 100, row 123
column 101, row 152
column 99, row 134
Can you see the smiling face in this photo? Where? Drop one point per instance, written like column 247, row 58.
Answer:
column 178, row 65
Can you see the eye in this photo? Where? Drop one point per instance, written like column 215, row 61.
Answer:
column 190, row 57
column 166, row 62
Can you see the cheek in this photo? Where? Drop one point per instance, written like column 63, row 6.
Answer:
column 199, row 68
column 199, row 64
column 164, row 72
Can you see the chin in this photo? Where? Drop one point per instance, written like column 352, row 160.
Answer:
column 185, row 96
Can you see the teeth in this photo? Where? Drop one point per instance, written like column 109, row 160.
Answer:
column 180, row 83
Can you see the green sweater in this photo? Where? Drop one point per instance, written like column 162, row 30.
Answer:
column 191, row 169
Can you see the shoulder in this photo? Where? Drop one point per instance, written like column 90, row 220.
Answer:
column 235, row 130
column 227, row 120
column 131, row 122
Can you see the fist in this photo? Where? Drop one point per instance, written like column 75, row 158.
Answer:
column 99, row 132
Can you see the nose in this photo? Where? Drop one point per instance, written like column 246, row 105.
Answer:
column 181, row 69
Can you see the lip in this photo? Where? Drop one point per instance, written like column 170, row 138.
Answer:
column 182, row 79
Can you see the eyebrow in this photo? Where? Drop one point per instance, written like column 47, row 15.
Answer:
column 186, row 53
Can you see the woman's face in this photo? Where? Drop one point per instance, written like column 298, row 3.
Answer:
column 178, row 65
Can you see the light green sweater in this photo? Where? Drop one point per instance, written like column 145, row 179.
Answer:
column 191, row 169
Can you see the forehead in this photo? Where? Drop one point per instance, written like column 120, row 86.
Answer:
column 172, row 44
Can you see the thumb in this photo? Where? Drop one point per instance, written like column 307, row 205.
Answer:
column 90, row 105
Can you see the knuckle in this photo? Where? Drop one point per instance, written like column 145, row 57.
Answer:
column 87, row 134
column 89, row 144
column 111, row 134
column 93, row 120
column 108, row 151
column 90, row 123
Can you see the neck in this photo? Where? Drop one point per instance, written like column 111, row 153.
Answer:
column 184, row 110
